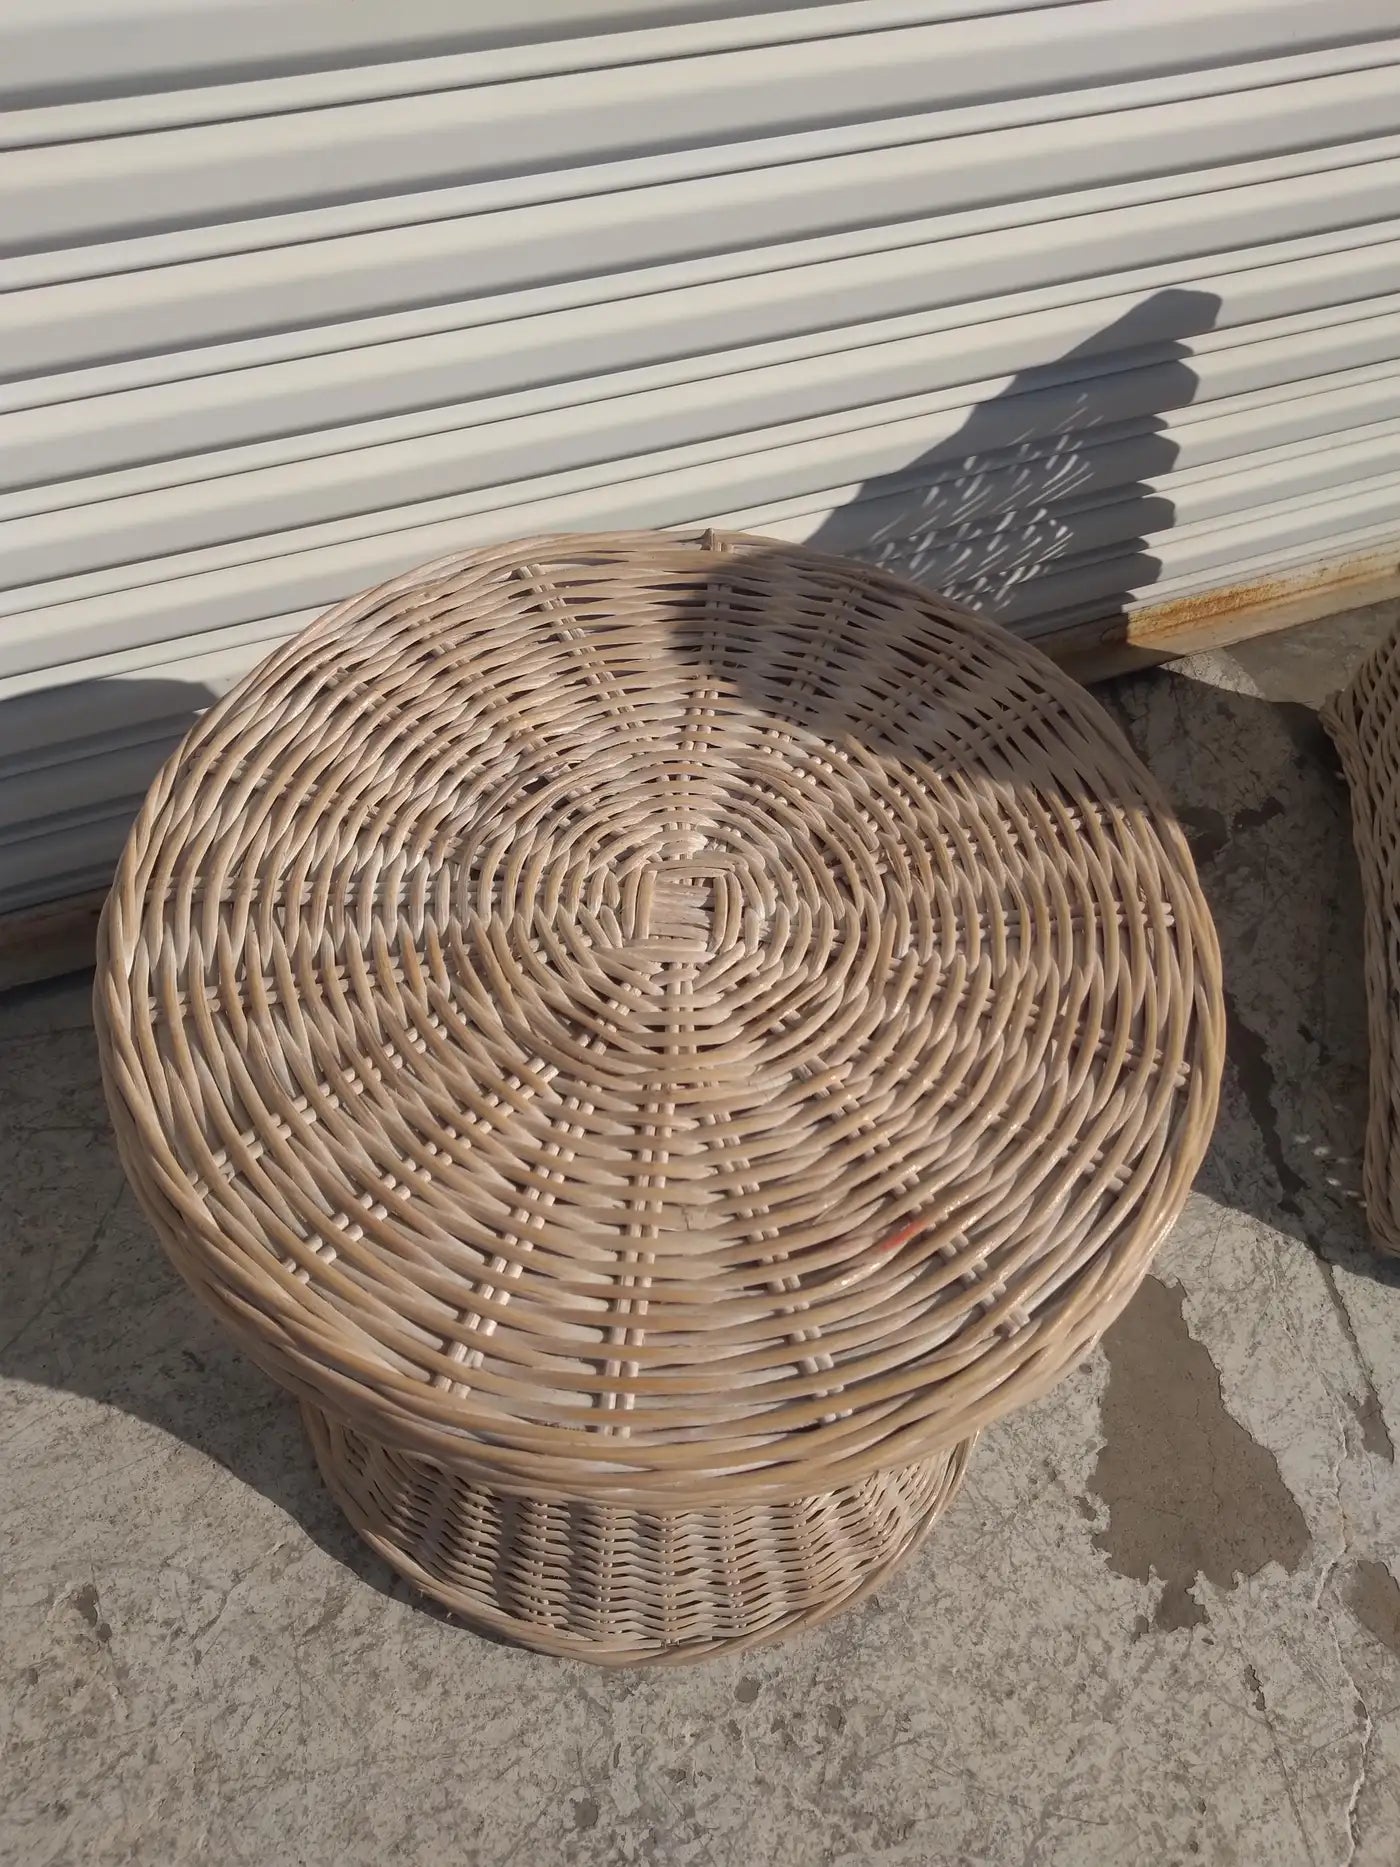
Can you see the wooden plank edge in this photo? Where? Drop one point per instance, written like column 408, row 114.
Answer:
column 1162, row 632
column 45, row 942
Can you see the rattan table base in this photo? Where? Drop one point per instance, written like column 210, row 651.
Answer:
column 624, row 1587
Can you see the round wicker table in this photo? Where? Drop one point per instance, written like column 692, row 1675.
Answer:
column 656, row 1041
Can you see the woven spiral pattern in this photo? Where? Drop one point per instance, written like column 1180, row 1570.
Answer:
column 1364, row 721
column 668, row 1024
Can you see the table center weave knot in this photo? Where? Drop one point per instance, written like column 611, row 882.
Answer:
column 683, row 907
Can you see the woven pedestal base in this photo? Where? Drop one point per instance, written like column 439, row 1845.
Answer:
column 618, row 1586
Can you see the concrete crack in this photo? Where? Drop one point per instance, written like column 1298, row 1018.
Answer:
column 1366, row 1724
column 1368, row 1729
column 1369, row 1413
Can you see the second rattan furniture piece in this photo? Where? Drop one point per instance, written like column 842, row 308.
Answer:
column 1364, row 721
column 656, row 1040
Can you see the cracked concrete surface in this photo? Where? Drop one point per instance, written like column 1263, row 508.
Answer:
column 1161, row 1624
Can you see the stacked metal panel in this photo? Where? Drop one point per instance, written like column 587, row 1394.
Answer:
column 1067, row 308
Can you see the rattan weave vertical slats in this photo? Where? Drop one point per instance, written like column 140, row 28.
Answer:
column 1364, row 721
column 657, row 1040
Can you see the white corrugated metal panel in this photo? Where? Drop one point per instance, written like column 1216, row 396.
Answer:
column 1070, row 307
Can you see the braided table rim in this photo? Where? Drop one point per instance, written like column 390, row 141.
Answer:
column 672, row 1021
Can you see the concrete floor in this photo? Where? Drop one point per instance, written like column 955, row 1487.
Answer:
column 1160, row 1625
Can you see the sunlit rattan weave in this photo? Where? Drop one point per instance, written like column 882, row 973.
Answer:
column 656, row 1041
column 1364, row 721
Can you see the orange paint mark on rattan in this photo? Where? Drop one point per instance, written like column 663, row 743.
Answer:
column 901, row 1235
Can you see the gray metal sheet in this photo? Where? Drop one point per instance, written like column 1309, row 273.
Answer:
column 1069, row 308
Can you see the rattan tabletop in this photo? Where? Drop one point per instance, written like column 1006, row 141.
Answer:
column 659, row 1021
